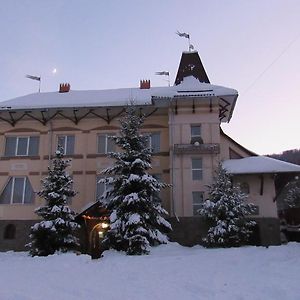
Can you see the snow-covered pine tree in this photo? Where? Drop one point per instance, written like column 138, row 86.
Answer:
column 56, row 231
column 137, row 217
column 226, row 213
column 292, row 198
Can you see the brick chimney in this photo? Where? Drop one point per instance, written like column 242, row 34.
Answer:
column 144, row 84
column 64, row 87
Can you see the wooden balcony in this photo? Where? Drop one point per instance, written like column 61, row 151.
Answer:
column 197, row 149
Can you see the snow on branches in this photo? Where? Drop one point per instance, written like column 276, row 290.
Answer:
column 137, row 217
column 226, row 212
column 56, row 231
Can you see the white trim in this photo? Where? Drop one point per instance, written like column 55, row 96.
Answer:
column 197, row 169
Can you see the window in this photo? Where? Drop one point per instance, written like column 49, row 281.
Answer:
column 197, row 202
column 156, row 195
column 22, row 146
column 9, row 232
column 101, row 188
column 195, row 130
column 196, row 134
column 245, row 188
column 154, row 141
column 197, row 168
column 106, row 143
column 17, row 191
column 67, row 142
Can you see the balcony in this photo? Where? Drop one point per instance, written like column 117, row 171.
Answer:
column 197, row 149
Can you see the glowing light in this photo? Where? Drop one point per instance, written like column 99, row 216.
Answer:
column 104, row 225
column 54, row 71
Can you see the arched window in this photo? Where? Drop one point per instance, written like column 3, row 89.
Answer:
column 10, row 232
column 244, row 186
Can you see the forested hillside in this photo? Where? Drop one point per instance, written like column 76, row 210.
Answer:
column 292, row 156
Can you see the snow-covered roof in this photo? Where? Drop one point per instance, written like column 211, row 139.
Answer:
column 190, row 86
column 259, row 165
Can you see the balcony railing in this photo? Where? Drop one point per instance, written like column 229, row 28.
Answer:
column 197, row 149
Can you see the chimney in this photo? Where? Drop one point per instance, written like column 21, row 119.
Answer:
column 64, row 87
column 144, row 84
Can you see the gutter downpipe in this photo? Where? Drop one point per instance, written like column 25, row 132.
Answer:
column 172, row 158
column 50, row 135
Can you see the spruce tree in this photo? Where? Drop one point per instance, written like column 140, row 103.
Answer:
column 292, row 198
column 226, row 213
column 137, row 217
column 56, row 231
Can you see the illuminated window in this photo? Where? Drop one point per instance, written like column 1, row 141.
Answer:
column 22, row 145
column 17, row 191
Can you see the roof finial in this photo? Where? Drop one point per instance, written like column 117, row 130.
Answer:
column 187, row 36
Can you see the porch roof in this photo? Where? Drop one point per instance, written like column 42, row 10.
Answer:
column 259, row 165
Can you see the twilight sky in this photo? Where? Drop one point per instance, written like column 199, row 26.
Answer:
column 252, row 46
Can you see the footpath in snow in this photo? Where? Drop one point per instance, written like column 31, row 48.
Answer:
column 169, row 272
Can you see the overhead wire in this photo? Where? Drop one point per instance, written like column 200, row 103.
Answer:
column 271, row 64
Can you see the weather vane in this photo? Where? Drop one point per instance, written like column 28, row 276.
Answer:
column 38, row 78
column 187, row 36
column 166, row 73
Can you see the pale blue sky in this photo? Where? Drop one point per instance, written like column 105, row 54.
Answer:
column 111, row 44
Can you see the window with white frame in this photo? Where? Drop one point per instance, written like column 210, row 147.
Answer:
column 22, row 145
column 67, row 142
column 101, row 188
column 154, row 141
column 197, row 171
column 18, row 190
column 105, row 143
column 197, row 201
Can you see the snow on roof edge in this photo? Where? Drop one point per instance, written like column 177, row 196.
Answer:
column 259, row 165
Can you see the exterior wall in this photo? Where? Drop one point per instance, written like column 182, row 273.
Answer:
column 262, row 193
column 85, row 164
column 176, row 168
column 21, row 238
column 226, row 145
column 189, row 231
column 181, row 164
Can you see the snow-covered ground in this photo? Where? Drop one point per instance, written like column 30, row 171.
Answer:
column 169, row 272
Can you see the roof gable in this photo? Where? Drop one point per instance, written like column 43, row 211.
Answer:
column 191, row 65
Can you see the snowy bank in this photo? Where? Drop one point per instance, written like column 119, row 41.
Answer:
column 169, row 272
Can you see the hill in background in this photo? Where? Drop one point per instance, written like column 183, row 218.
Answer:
column 292, row 156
